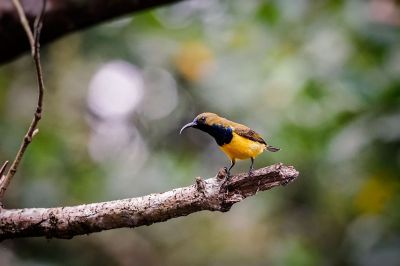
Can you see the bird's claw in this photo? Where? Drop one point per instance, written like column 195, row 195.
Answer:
column 228, row 173
column 250, row 173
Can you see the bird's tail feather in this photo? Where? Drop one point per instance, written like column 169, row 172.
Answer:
column 272, row 149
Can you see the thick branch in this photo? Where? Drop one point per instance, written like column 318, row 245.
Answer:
column 214, row 194
column 61, row 17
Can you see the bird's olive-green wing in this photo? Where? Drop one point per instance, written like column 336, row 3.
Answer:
column 248, row 133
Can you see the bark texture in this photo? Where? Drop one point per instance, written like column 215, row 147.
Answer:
column 214, row 194
column 61, row 17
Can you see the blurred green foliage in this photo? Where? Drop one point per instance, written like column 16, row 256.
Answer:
column 320, row 80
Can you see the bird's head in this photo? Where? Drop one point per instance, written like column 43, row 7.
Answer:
column 201, row 121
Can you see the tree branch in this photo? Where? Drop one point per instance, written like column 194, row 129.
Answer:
column 32, row 130
column 25, row 24
column 3, row 168
column 214, row 194
column 61, row 18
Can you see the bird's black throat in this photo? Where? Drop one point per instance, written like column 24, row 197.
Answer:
column 222, row 135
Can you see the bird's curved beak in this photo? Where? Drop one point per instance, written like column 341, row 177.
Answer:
column 191, row 124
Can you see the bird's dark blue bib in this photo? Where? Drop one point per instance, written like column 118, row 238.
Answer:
column 222, row 135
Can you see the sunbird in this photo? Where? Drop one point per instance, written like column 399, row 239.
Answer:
column 235, row 140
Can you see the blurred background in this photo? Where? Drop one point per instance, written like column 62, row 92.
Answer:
column 319, row 79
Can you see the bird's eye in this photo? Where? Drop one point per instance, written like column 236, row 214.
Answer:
column 202, row 119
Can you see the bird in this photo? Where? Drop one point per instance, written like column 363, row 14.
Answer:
column 237, row 141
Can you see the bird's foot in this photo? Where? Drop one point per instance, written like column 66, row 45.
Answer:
column 250, row 173
column 228, row 173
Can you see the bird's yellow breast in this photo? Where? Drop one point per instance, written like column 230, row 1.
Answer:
column 242, row 148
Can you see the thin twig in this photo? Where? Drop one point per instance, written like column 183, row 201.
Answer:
column 32, row 130
column 3, row 168
column 25, row 24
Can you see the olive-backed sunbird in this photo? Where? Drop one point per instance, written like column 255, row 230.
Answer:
column 235, row 140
